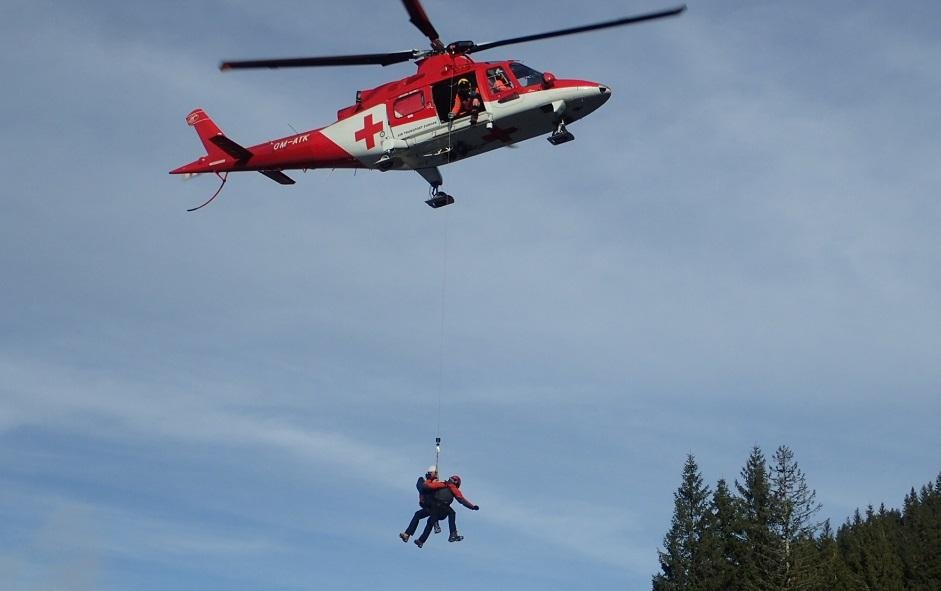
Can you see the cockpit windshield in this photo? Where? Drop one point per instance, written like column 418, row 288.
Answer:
column 526, row 75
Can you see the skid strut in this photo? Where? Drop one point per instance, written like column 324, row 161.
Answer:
column 438, row 197
column 561, row 135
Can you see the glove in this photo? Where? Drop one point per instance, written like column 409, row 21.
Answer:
column 476, row 507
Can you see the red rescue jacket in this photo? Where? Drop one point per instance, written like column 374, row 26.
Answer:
column 439, row 484
column 465, row 102
column 426, row 491
column 459, row 496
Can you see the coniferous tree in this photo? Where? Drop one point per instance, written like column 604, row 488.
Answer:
column 921, row 537
column 892, row 549
column 758, row 565
column 882, row 566
column 932, row 536
column 764, row 537
column 681, row 559
column 913, row 534
column 832, row 574
column 848, row 540
column 792, row 523
column 721, row 546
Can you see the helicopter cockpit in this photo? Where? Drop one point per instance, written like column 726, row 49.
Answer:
column 525, row 75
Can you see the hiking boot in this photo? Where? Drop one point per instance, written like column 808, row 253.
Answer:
column 437, row 528
column 404, row 536
column 419, row 543
column 455, row 538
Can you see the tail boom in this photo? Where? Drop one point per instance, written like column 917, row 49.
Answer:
column 307, row 150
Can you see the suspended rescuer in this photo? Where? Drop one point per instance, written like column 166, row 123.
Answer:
column 444, row 494
column 426, row 502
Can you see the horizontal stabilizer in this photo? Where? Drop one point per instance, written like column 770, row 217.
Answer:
column 231, row 148
column 276, row 175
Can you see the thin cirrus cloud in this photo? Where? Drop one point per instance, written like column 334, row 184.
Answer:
column 741, row 248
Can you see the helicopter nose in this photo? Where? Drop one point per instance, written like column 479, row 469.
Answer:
column 594, row 96
column 583, row 97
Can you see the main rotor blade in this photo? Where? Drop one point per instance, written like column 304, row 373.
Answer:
column 364, row 59
column 418, row 17
column 630, row 20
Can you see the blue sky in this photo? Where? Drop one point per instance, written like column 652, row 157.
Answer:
column 740, row 248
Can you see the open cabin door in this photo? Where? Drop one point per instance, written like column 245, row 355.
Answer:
column 444, row 93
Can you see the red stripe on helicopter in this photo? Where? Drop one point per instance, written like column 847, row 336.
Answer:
column 311, row 149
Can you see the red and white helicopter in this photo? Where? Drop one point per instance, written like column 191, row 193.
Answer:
column 451, row 109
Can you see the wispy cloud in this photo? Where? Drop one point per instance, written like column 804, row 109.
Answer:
column 740, row 247
column 73, row 400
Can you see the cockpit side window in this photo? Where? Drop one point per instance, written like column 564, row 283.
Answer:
column 526, row 75
column 498, row 81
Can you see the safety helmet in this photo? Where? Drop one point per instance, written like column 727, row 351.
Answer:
column 463, row 82
column 431, row 470
column 456, row 480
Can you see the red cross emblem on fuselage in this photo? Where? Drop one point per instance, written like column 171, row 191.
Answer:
column 368, row 132
column 499, row 134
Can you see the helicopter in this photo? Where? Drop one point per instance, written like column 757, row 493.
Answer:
column 452, row 108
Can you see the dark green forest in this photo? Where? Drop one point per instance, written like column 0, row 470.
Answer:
column 762, row 534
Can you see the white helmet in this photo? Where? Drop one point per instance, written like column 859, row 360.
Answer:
column 432, row 470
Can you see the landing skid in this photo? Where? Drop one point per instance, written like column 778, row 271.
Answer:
column 439, row 199
column 560, row 136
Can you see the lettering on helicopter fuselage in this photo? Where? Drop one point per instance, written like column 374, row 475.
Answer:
column 417, row 130
column 298, row 139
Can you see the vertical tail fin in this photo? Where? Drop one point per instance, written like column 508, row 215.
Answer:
column 206, row 129
column 220, row 150
column 215, row 142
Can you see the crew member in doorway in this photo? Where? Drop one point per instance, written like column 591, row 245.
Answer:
column 445, row 493
column 466, row 102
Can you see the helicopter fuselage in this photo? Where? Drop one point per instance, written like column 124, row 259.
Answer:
column 416, row 123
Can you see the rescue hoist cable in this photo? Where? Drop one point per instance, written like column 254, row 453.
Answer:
column 441, row 339
column 450, row 156
column 444, row 283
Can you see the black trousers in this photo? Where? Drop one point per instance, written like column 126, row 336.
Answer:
column 419, row 515
column 436, row 515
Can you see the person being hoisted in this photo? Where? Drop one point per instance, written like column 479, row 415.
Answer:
column 466, row 102
column 426, row 503
column 445, row 493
